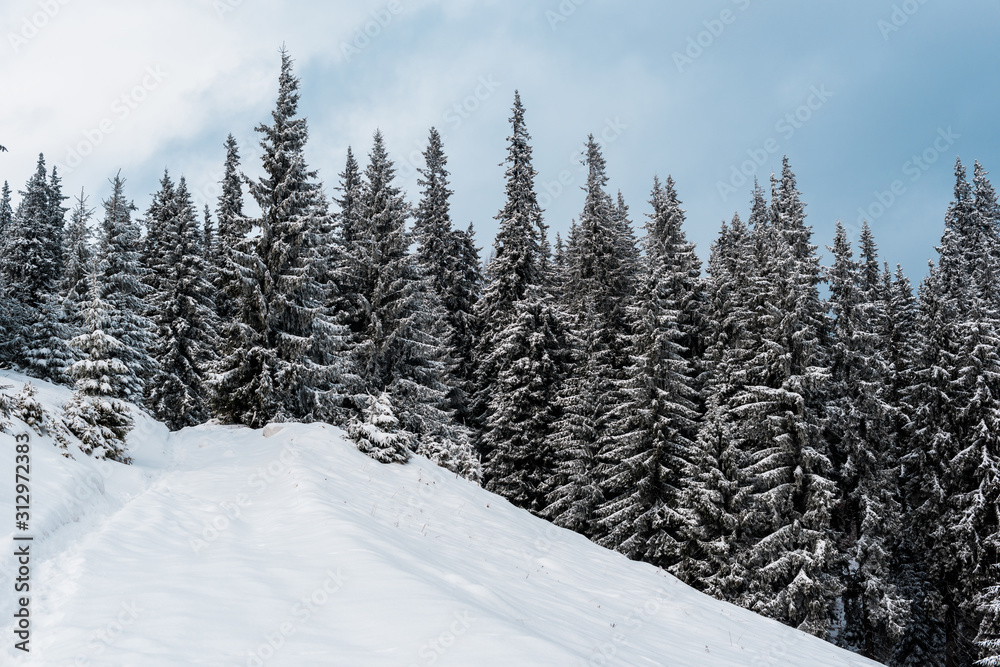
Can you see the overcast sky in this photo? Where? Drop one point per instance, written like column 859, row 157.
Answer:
column 866, row 97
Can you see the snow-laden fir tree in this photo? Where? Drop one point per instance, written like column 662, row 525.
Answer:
column 96, row 414
column 862, row 427
column 597, row 297
column 31, row 263
column 178, row 394
column 122, row 291
column 78, row 256
column 242, row 391
column 715, row 496
column 293, row 212
column 651, row 449
column 954, row 451
column 378, row 432
column 47, row 353
column 6, row 212
column 403, row 350
column 518, row 261
column 530, row 359
column 449, row 262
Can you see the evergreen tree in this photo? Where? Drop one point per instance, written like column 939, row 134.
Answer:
column 96, row 414
column 530, row 360
column 241, row 391
column 654, row 428
column 30, row 267
column 177, row 394
column 863, row 428
column 78, row 255
column 6, row 212
column 953, row 450
column 989, row 631
column 400, row 352
column 716, row 496
column 379, row 435
column 293, row 212
column 517, row 265
column 122, row 292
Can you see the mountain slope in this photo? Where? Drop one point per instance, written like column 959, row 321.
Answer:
column 228, row 546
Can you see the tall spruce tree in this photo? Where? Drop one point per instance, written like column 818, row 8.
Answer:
column 402, row 350
column 178, row 392
column 122, row 291
column 954, row 454
column 293, row 212
column 652, row 447
column 518, row 265
column 96, row 413
column 862, row 428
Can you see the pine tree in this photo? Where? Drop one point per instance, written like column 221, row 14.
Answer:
column 653, row 430
column 293, row 212
column 598, row 295
column 6, row 212
column 178, row 395
column 122, row 291
column 400, row 351
column 530, row 361
column 716, row 496
column 30, row 268
column 78, row 255
column 953, row 451
column 518, row 263
column 379, row 435
column 96, row 413
column 241, row 392
column 863, row 429
column 156, row 249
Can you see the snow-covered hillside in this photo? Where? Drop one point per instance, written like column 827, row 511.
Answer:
column 228, row 546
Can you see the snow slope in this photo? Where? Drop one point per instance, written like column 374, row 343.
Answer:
column 229, row 546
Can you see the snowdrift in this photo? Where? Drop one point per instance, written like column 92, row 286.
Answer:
column 286, row 546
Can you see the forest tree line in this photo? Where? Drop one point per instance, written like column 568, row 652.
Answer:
column 828, row 459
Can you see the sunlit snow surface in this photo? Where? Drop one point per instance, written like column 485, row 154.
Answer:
column 221, row 546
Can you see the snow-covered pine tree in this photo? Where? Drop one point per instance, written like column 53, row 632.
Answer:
column 715, row 495
column 449, row 262
column 403, row 349
column 30, row 269
column 531, row 360
column 78, row 257
column 47, row 353
column 293, row 213
column 156, row 251
column 597, row 295
column 788, row 544
column 6, row 212
column 651, row 449
column 241, row 392
column 954, row 451
column 96, row 414
column 183, row 307
column 862, row 428
column 462, row 299
column 231, row 242
column 379, row 434
column 122, row 291
column 518, row 261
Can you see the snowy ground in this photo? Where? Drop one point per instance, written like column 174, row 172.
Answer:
column 227, row 546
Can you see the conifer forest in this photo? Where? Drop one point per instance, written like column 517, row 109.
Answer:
column 819, row 444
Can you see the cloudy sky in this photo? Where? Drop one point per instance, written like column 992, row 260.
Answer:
column 872, row 100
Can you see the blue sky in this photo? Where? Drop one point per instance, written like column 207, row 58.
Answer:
column 852, row 91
